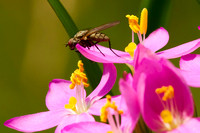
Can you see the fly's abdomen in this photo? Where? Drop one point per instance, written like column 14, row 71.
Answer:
column 99, row 37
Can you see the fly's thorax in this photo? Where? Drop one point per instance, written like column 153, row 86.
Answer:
column 80, row 34
column 99, row 37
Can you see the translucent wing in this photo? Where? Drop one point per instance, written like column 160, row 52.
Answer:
column 100, row 28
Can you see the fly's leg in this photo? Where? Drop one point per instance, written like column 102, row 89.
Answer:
column 111, row 48
column 97, row 47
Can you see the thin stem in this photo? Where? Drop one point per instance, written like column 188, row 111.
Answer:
column 132, row 36
column 140, row 37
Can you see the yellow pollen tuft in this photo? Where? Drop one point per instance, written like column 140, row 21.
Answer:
column 110, row 132
column 108, row 98
column 143, row 21
column 131, row 48
column 168, row 92
column 166, row 116
column 133, row 23
column 104, row 109
column 72, row 104
column 80, row 66
column 78, row 77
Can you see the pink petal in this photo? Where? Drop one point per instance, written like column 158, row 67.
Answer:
column 191, row 78
column 97, row 105
column 36, row 122
column 87, row 127
column 94, row 54
column 190, row 126
column 131, row 100
column 106, row 83
column 189, row 65
column 72, row 119
column 157, row 39
column 190, row 62
column 127, row 124
column 180, row 50
column 141, row 53
column 59, row 94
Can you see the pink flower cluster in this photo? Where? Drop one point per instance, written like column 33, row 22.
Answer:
column 157, row 92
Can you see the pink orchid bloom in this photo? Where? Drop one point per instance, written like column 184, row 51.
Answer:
column 155, row 41
column 189, row 65
column 58, row 97
column 165, row 100
column 125, row 126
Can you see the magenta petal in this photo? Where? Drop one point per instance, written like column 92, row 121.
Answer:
column 87, row 127
column 189, row 65
column 71, row 119
column 127, row 124
column 130, row 96
column 97, row 105
column 152, row 74
column 180, row 50
column 106, row 83
column 59, row 94
column 157, row 39
column 36, row 122
column 191, row 78
column 142, row 52
column 190, row 62
column 190, row 126
column 94, row 55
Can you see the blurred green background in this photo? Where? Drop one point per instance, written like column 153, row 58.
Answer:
column 33, row 53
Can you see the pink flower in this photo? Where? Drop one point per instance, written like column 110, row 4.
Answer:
column 189, row 65
column 127, row 102
column 165, row 100
column 66, row 106
column 155, row 41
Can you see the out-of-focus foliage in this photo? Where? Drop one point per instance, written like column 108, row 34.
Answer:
column 33, row 45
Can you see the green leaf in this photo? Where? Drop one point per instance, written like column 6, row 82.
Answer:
column 92, row 69
column 64, row 17
column 158, row 13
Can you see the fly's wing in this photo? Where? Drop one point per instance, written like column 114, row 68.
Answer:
column 100, row 28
